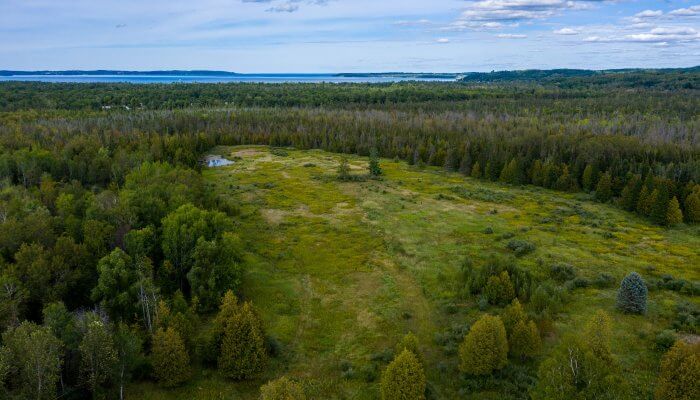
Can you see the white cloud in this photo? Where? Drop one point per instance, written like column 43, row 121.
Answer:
column 511, row 36
column 566, row 31
column 691, row 11
column 287, row 7
column 649, row 14
column 443, row 40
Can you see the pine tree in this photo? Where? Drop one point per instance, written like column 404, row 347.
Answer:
column 374, row 169
column 404, row 378
column 645, row 196
column 588, row 179
column 524, row 341
column 630, row 194
column 243, row 353
column 513, row 314
column 410, row 342
column 692, row 207
column 674, row 215
column 476, row 170
column 536, row 176
column 171, row 363
column 499, row 289
column 344, row 169
column 659, row 205
column 603, row 191
column 509, row 173
column 485, row 348
column 282, row 389
column 679, row 377
column 632, row 295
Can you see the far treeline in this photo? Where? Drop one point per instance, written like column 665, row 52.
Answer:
column 639, row 148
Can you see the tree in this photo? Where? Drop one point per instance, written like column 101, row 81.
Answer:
column 510, row 172
column 115, row 289
column 404, row 378
column 674, row 215
column 485, row 348
column 603, row 191
column 36, row 355
column 659, row 203
column 243, row 352
column 410, row 342
column 588, row 178
column 215, row 269
column 12, row 299
column 128, row 345
column 5, row 367
column 630, row 194
column 97, row 356
column 632, row 295
column 499, row 289
column 374, row 169
column 476, row 170
column 344, row 169
column 171, row 363
column 524, row 341
column 692, row 207
column 282, row 389
column 513, row 314
column 679, row 377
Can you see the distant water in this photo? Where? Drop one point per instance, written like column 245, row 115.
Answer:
column 259, row 78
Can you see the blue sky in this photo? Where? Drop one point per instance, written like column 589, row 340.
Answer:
column 347, row 35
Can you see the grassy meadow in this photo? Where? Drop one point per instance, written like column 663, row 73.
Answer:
column 340, row 271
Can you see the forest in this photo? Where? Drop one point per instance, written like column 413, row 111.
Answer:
column 130, row 269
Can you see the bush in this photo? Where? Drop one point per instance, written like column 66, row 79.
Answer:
column 171, row 363
column 525, row 340
column 410, row 342
column 665, row 339
column 499, row 289
column 687, row 318
column 548, row 298
column 562, row 272
column 604, row 281
column 485, row 348
column 521, row 247
column 632, row 295
column 679, row 377
column 282, row 389
column 577, row 283
column 403, row 379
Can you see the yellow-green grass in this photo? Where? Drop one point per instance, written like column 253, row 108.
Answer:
column 339, row 271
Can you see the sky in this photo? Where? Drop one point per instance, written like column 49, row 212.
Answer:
column 320, row 36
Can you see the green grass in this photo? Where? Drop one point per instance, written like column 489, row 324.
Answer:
column 339, row 271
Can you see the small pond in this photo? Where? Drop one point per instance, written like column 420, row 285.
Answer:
column 217, row 161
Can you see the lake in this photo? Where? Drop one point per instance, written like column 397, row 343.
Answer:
column 257, row 78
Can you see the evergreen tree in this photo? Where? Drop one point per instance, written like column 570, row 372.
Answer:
column 404, row 378
column 692, row 207
column 513, row 314
column 679, row 378
column 603, row 191
column 476, row 170
column 644, row 201
column 509, row 173
column 485, row 348
column 171, row 363
column 674, row 215
column 630, row 194
column 632, row 295
column 536, row 173
column 524, row 341
column 344, row 169
column 588, row 179
column 659, row 204
column 499, row 289
column 282, row 389
column 97, row 356
column 374, row 169
column 410, row 342
column 242, row 352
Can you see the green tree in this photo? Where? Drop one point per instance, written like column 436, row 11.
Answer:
column 485, row 348
column 692, row 207
column 97, row 356
column 674, row 215
column 36, row 355
column 476, row 170
column 589, row 177
column 12, row 299
column 5, row 368
column 632, row 295
column 410, row 342
column 282, row 389
column 344, row 169
column 115, row 289
column 374, row 169
column 679, row 377
column 171, row 363
column 510, row 172
column 499, row 289
column 243, row 353
column 524, row 341
column 659, row 204
column 404, row 378
column 513, row 314
column 128, row 346
column 215, row 269
column 630, row 194
column 603, row 191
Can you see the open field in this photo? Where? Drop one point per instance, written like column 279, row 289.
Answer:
column 340, row 271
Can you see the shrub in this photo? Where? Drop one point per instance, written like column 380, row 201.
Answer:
column 632, row 295
column 499, row 289
column 548, row 298
column 403, row 379
column 282, row 389
column 604, row 281
column 679, row 377
column 513, row 314
column 577, row 283
column 410, row 342
column 171, row 363
column 524, row 341
column 665, row 339
column 562, row 272
column 485, row 348
column 521, row 247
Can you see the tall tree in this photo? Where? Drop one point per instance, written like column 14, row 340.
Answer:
column 243, row 353
column 97, row 356
column 485, row 348
column 404, row 378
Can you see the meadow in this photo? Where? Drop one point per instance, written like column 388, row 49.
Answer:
column 339, row 271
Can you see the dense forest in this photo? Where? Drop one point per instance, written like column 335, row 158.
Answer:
column 112, row 248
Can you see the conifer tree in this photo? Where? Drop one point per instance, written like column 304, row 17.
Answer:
column 679, row 377
column 536, row 173
column 282, row 389
column 410, row 342
column 343, row 169
column 499, row 289
column 513, row 314
column 630, row 194
column 603, row 191
column 659, row 207
column 588, row 179
column 243, row 353
column 476, row 170
column 692, row 207
column 674, row 215
column 374, row 169
column 404, row 378
column 632, row 295
column 524, row 341
column 485, row 348
column 171, row 363
column 509, row 173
